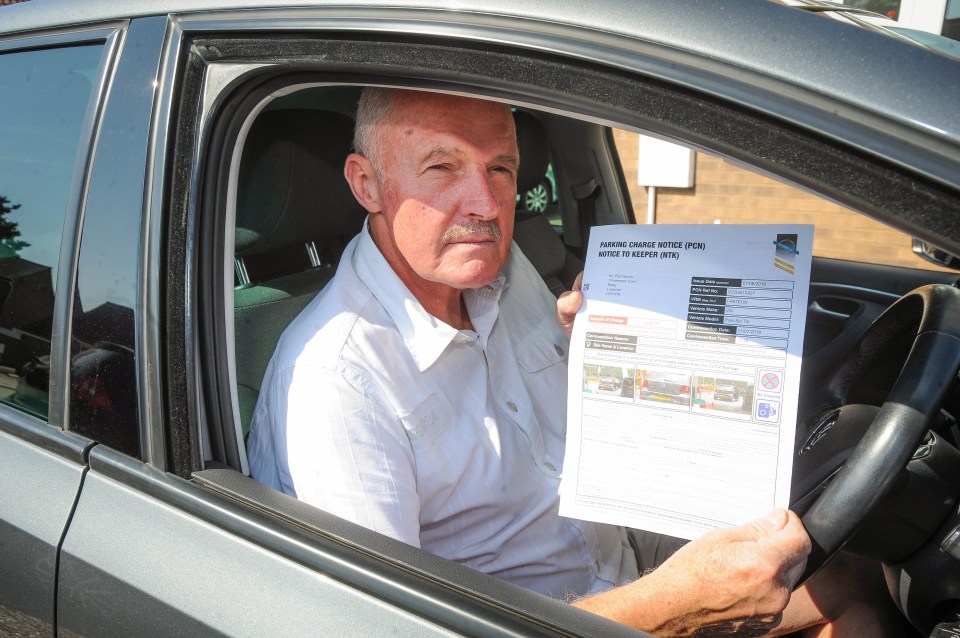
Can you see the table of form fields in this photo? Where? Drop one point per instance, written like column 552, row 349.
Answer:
column 740, row 311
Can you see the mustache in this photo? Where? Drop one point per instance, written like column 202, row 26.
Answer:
column 454, row 233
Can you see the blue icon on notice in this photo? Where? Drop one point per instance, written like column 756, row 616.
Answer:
column 766, row 411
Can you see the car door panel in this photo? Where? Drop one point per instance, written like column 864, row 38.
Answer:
column 842, row 303
column 41, row 470
column 889, row 279
column 133, row 563
column 149, row 554
column 845, row 298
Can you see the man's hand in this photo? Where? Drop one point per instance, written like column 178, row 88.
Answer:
column 727, row 580
column 737, row 576
column 568, row 304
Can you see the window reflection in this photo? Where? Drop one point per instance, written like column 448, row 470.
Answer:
column 44, row 101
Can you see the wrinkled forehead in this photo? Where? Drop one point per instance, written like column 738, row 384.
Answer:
column 417, row 116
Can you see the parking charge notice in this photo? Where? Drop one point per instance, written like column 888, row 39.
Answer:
column 684, row 375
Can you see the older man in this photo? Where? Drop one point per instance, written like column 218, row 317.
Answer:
column 421, row 393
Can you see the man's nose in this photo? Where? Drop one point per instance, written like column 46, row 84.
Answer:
column 480, row 199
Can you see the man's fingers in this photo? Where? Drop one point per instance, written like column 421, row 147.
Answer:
column 760, row 528
column 568, row 304
column 771, row 523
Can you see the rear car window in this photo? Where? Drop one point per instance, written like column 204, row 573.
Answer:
column 45, row 97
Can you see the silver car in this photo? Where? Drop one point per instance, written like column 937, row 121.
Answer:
column 170, row 197
column 669, row 387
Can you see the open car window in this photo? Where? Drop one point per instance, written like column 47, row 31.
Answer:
column 293, row 215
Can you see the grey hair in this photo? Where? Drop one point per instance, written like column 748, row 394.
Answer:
column 372, row 109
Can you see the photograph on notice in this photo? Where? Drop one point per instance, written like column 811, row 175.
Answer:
column 608, row 380
column 723, row 394
column 665, row 386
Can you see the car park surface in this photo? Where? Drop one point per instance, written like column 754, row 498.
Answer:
column 156, row 278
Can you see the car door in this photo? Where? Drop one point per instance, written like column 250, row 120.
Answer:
column 587, row 175
column 52, row 90
column 147, row 553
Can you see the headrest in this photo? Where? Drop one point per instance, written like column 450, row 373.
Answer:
column 540, row 243
column 291, row 186
column 534, row 150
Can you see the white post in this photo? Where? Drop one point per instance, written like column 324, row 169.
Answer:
column 651, row 204
column 663, row 164
column 923, row 15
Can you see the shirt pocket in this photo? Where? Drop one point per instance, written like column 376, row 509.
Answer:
column 546, row 346
column 542, row 365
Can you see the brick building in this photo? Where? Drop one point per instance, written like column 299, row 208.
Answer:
column 724, row 193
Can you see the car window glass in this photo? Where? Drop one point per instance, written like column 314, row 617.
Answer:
column 43, row 104
column 722, row 193
column 888, row 8
column 951, row 20
column 542, row 198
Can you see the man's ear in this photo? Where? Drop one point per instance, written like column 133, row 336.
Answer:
column 363, row 182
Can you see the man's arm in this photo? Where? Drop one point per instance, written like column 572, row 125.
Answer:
column 738, row 578
column 343, row 452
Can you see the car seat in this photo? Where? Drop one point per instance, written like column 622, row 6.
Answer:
column 295, row 214
column 532, row 231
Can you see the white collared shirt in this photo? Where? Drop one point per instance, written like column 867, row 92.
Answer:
column 450, row 440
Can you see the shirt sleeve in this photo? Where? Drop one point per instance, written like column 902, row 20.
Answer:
column 345, row 452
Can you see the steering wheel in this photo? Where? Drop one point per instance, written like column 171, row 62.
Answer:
column 930, row 315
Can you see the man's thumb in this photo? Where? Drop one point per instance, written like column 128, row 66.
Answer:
column 769, row 524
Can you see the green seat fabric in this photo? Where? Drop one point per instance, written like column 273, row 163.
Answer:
column 290, row 192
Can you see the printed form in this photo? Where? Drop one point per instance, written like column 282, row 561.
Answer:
column 684, row 375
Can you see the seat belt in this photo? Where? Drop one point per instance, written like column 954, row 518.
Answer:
column 586, row 197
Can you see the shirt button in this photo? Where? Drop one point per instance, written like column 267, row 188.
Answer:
column 512, row 406
column 559, row 349
column 596, row 565
column 550, row 466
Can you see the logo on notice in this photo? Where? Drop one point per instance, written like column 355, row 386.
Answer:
column 786, row 252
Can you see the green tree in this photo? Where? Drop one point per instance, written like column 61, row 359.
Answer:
column 9, row 244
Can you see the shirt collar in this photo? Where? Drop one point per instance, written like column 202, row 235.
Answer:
column 425, row 336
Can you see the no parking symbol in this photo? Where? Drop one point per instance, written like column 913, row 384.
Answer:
column 770, row 380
